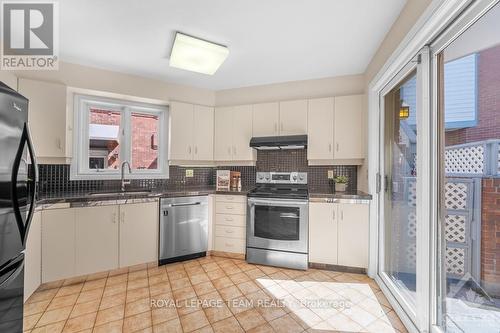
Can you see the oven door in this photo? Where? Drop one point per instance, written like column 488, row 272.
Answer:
column 277, row 224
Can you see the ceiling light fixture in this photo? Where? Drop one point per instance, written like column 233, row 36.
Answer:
column 197, row 55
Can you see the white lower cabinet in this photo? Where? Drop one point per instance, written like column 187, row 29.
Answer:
column 138, row 233
column 96, row 239
column 86, row 240
column 230, row 223
column 353, row 229
column 323, row 229
column 33, row 256
column 338, row 234
column 58, row 244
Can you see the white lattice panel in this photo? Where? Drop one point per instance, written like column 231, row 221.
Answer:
column 466, row 160
column 455, row 261
column 456, row 195
column 411, row 255
column 456, row 228
column 412, row 193
column 412, row 224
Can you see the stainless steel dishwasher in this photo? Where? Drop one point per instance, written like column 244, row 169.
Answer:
column 183, row 228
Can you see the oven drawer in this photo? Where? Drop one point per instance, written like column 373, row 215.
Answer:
column 231, row 232
column 230, row 208
column 232, row 245
column 231, row 220
column 231, row 198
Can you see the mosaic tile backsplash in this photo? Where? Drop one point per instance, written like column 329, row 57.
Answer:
column 54, row 179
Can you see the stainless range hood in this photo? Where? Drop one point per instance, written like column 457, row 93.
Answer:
column 279, row 142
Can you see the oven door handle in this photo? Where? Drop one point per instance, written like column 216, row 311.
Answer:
column 277, row 202
column 289, row 216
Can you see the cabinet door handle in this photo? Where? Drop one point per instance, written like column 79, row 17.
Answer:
column 58, row 143
column 234, row 150
column 229, row 219
column 122, row 217
column 342, row 215
column 229, row 245
column 196, row 149
column 229, row 207
column 333, row 214
column 330, row 147
column 337, row 147
column 113, row 219
column 189, row 149
column 229, row 231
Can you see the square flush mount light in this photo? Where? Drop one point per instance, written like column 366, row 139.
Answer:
column 197, row 55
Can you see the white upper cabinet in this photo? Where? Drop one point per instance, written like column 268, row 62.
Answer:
column 349, row 127
column 203, row 133
column 233, row 131
column 223, row 150
column 266, row 117
column 293, row 117
column 320, row 128
column 47, row 116
column 191, row 132
column 336, row 130
column 242, row 133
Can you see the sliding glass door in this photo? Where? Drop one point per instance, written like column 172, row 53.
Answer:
column 467, row 83
column 403, row 104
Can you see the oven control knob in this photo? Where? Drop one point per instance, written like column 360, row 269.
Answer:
column 294, row 177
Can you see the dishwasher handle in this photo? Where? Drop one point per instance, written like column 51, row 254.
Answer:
column 183, row 204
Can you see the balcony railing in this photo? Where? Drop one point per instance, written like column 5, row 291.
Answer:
column 475, row 159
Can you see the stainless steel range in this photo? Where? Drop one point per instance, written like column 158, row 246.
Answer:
column 277, row 220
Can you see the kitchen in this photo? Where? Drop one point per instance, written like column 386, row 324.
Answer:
column 196, row 187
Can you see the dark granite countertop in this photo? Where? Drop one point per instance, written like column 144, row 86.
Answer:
column 328, row 193
column 105, row 195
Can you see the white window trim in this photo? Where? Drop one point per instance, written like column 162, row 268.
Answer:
column 79, row 163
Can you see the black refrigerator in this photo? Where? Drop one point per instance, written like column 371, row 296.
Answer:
column 17, row 204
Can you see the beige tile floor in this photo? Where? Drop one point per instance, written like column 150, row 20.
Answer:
column 211, row 294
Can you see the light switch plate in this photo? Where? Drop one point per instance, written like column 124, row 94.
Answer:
column 189, row 173
column 330, row 174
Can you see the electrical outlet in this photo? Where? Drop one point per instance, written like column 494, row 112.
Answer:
column 330, row 174
column 189, row 173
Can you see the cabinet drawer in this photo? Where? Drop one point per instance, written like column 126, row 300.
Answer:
column 232, row 245
column 230, row 208
column 231, row 232
column 231, row 220
column 231, row 198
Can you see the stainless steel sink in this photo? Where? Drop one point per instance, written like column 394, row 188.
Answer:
column 119, row 193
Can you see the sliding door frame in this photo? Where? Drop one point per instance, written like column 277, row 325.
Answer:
column 438, row 287
column 438, row 17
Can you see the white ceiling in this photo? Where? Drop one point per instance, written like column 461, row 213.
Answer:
column 269, row 40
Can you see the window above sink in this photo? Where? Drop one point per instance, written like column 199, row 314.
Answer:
column 110, row 131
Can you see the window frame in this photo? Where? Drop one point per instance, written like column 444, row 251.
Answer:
column 79, row 163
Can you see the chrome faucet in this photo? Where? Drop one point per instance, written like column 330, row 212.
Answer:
column 125, row 181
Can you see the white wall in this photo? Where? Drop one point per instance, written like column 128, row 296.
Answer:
column 9, row 79
column 91, row 78
column 333, row 86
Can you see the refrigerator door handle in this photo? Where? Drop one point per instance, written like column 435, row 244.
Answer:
column 15, row 266
column 32, row 181
column 25, row 140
